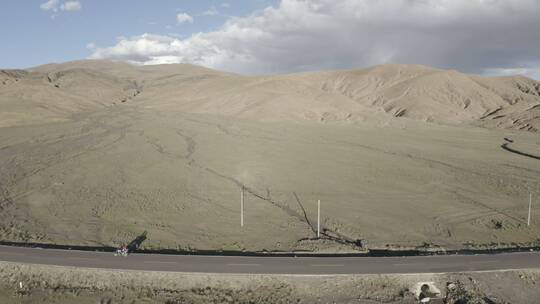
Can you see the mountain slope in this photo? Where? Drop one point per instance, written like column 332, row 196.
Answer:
column 438, row 95
column 415, row 92
column 380, row 92
column 28, row 97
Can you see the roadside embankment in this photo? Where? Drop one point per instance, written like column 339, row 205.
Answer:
column 25, row 283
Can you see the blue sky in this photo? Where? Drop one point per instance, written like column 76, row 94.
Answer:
column 487, row 37
column 33, row 36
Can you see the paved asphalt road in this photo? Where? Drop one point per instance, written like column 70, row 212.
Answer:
column 272, row 265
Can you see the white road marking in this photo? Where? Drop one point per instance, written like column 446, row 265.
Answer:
column 408, row 264
column 78, row 258
column 485, row 262
column 12, row 253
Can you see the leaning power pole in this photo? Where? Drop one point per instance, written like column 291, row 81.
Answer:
column 530, row 205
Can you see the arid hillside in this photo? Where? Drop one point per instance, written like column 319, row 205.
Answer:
column 56, row 91
column 33, row 98
column 96, row 152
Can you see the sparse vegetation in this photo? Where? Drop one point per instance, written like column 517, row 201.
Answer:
column 64, row 285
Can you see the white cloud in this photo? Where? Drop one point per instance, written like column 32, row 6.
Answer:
column 71, row 6
column 91, row 46
column 183, row 17
column 469, row 35
column 528, row 72
column 55, row 5
column 50, row 5
column 211, row 12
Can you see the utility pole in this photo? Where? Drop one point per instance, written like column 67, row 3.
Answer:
column 530, row 204
column 242, row 207
column 319, row 219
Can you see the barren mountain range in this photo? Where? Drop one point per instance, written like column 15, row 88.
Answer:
column 53, row 92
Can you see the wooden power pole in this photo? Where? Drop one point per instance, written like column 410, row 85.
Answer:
column 530, row 205
column 319, row 219
column 242, row 207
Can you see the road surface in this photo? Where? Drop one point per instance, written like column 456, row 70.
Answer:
column 272, row 265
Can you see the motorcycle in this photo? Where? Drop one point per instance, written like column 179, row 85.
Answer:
column 121, row 252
